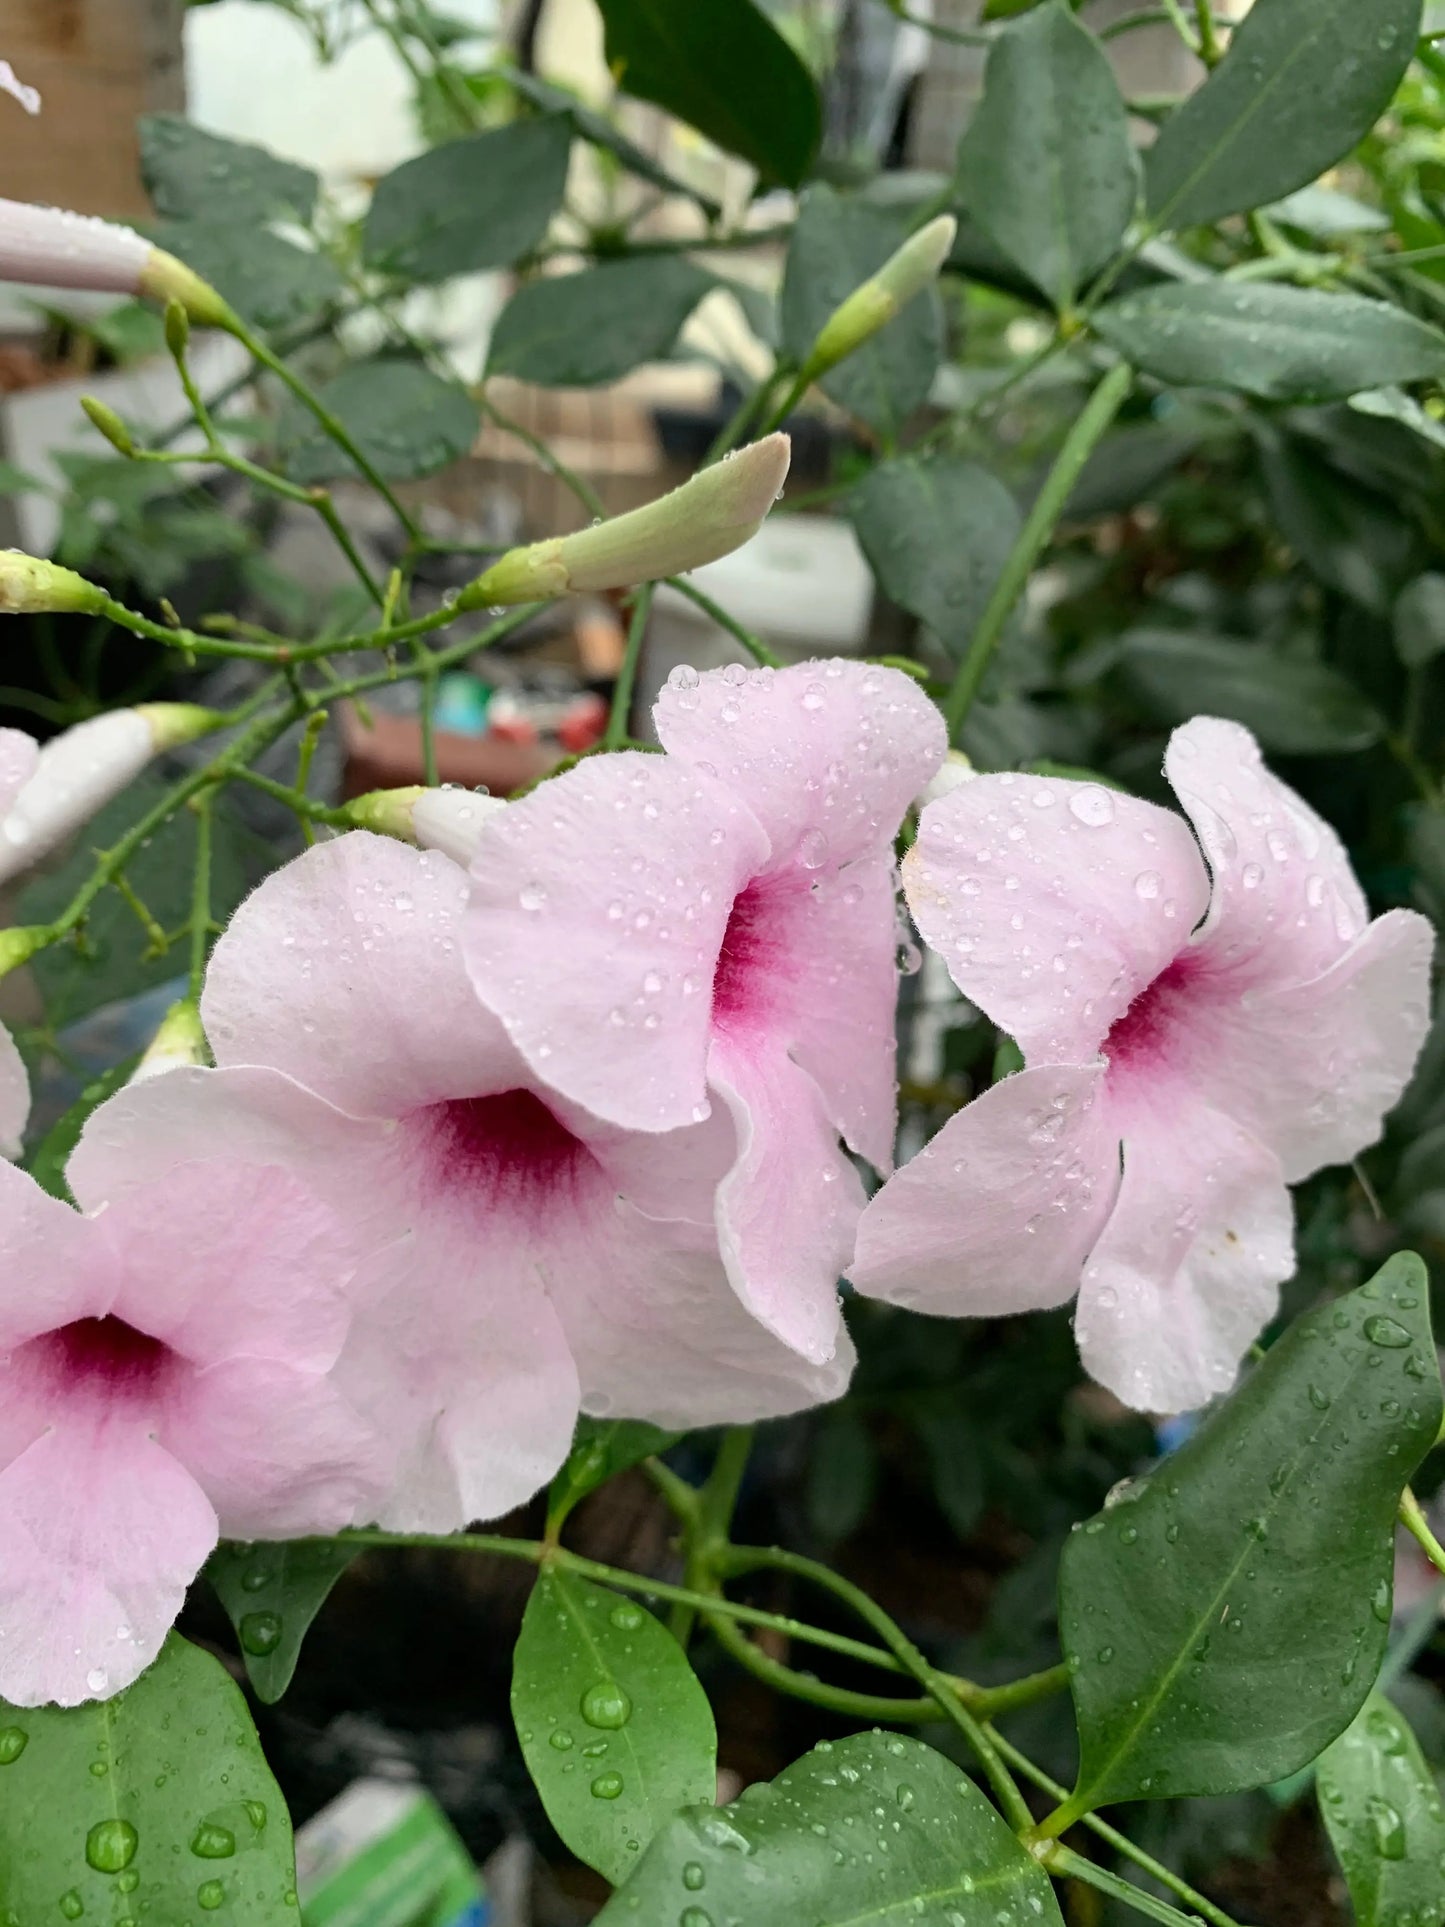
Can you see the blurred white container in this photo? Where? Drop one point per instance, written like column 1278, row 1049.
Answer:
column 801, row 585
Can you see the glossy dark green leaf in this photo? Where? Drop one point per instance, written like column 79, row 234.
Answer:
column 267, row 280
column 875, row 1828
column 1420, row 621
column 1353, row 538
column 723, row 67
column 1383, row 1813
column 1302, row 83
column 1047, row 168
column 1280, row 343
column 937, row 531
column 842, row 1474
column 601, row 1449
column 113, row 961
column 616, row 1732
column 192, row 175
column 1324, row 213
column 474, row 203
column 47, row 1162
column 575, row 330
column 837, row 243
column 1295, row 705
column 406, row 419
column 1227, row 1620
column 271, row 1593
column 156, row 1805
column 589, row 125
column 1394, row 405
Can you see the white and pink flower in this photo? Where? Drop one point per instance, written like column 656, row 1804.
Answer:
column 18, row 755
column 165, row 1378
column 1232, row 1022
column 719, row 923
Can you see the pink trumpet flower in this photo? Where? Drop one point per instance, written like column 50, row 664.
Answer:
column 1232, row 1028
column 525, row 1256
column 719, row 922
column 164, row 1378
column 18, row 754
column 61, row 249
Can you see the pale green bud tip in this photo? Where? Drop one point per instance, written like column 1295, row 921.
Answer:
column 872, row 305
column 956, row 769
column 109, row 424
column 173, row 723
column 165, row 279
column 387, row 812
column 29, row 586
column 178, row 1044
column 19, row 945
column 710, row 516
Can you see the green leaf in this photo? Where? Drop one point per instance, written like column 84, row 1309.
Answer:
column 17, row 481
column 723, row 67
column 874, row 1828
column 112, row 963
column 601, row 1449
column 955, row 1455
column 405, row 419
column 1324, row 213
column 1352, row 537
column 190, row 174
column 267, row 281
column 1047, row 168
column 589, row 125
column 47, row 1162
column 1383, row 1813
column 271, row 1593
column 1280, row 343
column 616, row 1732
column 575, row 330
column 1302, row 83
column 1420, row 621
column 842, row 1474
column 1393, row 404
column 470, row 204
column 937, row 532
column 156, row 1805
column 1227, row 1621
column 837, row 243
column 1295, row 705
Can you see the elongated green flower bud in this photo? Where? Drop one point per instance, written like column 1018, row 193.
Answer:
column 109, row 423
column 873, row 305
column 30, row 586
column 713, row 514
column 65, row 250
column 446, row 819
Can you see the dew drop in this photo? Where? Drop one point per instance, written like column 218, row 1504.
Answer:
column 607, row 1786
column 605, row 1705
column 1091, row 806
column 210, row 1894
column 1148, row 884
column 260, row 1633
column 13, row 1742
column 71, row 1905
column 561, row 1741
column 693, row 1877
column 110, row 1845
column 625, row 1617
column 1387, row 1332
column 210, row 1842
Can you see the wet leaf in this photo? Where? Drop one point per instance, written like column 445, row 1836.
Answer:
column 616, row 1732
column 193, row 175
column 1295, row 705
column 601, row 1449
column 470, row 204
column 576, row 330
column 272, row 1591
column 1227, row 1620
column 1383, row 1813
column 407, row 420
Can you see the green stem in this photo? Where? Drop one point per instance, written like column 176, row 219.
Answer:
column 816, row 1692
column 797, row 389
column 583, row 490
column 734, row 428
column 1064, row 1862
column 1085, row 435
column 1130, row 22
column 1120, row 1842
column 1412, row 1517
column 621, row 712
column 200, row 895
column 296, row 801
column 707, row 1538
column 755, row 646
column 959, row 36
column 1210, row 50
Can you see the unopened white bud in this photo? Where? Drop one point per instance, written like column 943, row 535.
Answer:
column 449, row 820
column 955, row 769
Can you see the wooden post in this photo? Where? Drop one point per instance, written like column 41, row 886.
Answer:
column 98, row 64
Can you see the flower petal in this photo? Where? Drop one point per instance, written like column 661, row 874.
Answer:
column 49, row 1261
column 830, row 751
column 343, row 970
column 19, row 754
column 787, row 1212
column 14, row 1097
column 1187, row 1272
column 74, row 774
column 598, row 909
column 276, row 1449
column 1285, row 902
column 1053, row 903
column 1311, row 1068
column 1000, row 1210
column 103, row 1533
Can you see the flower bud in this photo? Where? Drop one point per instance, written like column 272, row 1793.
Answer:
column 713, row 514
column 955, row 769
column 60, row 249
column 109, row 424
column 871, row 306
column 179, row 1044
column 19, row 944
column 84, row 767
column 29, row 586
column 449, row 820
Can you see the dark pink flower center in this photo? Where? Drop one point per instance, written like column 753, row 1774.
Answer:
column 1140, row 1038
column 751, row 954
column 504, row 1149
column 104, row 1355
